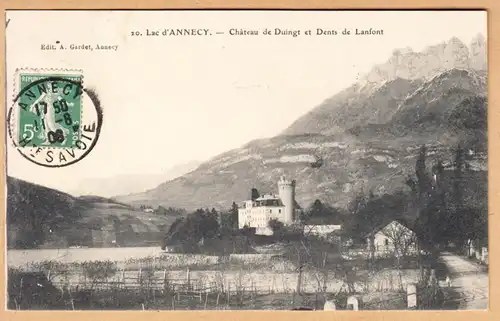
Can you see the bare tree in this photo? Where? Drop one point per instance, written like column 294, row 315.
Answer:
column 320, row 258
column 402, row 239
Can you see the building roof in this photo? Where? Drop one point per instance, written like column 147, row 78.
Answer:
column 380, row 226
column 324, row 225
column 267, row 197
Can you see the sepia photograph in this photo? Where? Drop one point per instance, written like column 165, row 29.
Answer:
column 246, row 160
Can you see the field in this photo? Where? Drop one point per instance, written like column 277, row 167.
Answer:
column 188, row 281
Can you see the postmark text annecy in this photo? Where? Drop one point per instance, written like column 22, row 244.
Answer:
column 54, row 120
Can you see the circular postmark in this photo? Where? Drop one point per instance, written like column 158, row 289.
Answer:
column 54, row 121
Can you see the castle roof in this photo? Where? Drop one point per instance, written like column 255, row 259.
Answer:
column 267, row 197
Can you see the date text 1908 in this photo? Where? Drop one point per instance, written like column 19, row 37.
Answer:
column 67, row 154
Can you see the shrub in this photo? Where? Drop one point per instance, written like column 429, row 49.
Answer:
column 28, row 290
column 98, row 271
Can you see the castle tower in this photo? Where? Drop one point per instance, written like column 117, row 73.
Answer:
column 286, row 190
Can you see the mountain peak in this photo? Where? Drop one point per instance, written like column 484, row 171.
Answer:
column 455, row 41
column 402, row 51
column 479, row 39
column 478, row 53
column 433, row 60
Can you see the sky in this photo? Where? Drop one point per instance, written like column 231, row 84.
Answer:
column 172, row 100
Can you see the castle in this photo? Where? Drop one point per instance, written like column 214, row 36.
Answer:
column 257, row 211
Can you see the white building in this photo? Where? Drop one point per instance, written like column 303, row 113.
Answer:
column 321, row 230
column 257, row 212
column 392, row 239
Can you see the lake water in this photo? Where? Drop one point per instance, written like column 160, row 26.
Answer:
column 22, row 257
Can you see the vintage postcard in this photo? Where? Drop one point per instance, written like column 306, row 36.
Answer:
column 246, row 160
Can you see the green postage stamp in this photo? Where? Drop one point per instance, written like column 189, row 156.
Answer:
column 54, row 120
column 50, row 111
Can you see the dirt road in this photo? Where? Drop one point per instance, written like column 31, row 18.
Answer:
column 469, row 281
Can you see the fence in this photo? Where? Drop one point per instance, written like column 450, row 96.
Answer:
column 145, row 290
column 152, row 280
column 224, row 280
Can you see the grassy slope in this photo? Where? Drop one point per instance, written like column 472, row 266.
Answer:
column 37, row 215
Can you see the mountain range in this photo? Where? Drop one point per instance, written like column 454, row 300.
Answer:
column 125, row 184
column 365, row 137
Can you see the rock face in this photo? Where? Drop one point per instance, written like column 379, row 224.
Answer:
column 407, row 64
column 364, row 138
column 478, row 53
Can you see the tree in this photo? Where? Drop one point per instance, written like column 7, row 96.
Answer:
column 320, row 213
column 193, row 228
column 233, row 214
column 98, row 271
column 360, row 216
column 438, row 173
column 442, row 213
column 423, row 180
column 275, row 225
column 209, row 224
column 317, row 209
column 458, row 212
column 312, row 254
column 479, row 225
column 358, row 203
column 428, row 201
column 229, row 218
column 402, row 239
column 247, row 230
column 161, row 210
column 255, row 194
